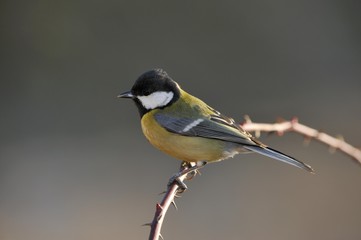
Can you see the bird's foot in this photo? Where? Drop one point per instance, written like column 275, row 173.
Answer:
column 190, row 170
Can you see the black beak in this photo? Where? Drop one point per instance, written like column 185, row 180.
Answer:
column 127, row 94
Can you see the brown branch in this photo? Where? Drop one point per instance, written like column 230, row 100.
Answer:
column 335, row 143
column 161, row 209
column 248, row 125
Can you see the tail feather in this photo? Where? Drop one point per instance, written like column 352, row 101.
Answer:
column 272, row 153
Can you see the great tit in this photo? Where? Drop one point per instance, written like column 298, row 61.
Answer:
column 186, row 128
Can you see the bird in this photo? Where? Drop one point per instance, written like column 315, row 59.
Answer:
column 188, row 129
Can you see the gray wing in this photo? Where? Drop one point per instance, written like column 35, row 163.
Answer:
column 214, row 127
column 223, row 128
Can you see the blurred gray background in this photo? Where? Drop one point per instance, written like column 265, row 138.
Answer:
column 73, row 161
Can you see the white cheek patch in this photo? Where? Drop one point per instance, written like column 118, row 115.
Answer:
column 156, row 99
column 192, row 125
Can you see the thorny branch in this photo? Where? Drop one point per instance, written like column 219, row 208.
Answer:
column 335, row 143
column 161, row 208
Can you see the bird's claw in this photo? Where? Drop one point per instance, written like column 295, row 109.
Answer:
column 177, row 180
column 189, row 172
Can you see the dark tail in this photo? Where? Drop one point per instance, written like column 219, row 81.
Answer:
column 269, row 152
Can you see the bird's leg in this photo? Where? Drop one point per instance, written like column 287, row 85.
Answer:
column 198, row 165
column 189, row 168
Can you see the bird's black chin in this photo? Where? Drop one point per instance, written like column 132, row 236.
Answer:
column 141, row 109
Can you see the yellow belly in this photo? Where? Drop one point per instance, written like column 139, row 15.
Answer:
column 190, row 149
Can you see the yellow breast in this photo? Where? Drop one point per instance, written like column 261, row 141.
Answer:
column 190, row 149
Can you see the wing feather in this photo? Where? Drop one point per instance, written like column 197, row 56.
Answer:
column 205, row 127
column 220, row 127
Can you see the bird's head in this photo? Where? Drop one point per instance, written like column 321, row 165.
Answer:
column 153, row 89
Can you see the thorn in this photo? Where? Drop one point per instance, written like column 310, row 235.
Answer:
column 158, row 207
column 280, row 120
column 294, row 120
column 147, row 225
column 174, row 205
column 159, row 210
column 257, row 134
column 161, row 193
column 280, row 133
column 306, row 140
column 161, row 237
column 340, row 137
column 333, row 149
column 247, row 119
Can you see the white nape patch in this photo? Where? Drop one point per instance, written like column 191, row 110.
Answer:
column 192, row 125
column 156, row 99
